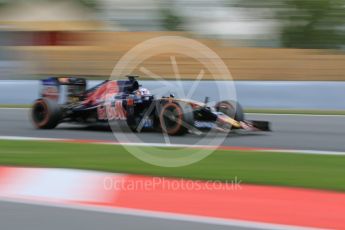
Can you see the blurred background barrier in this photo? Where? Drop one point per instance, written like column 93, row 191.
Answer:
column 95, row 54
column 251, row 94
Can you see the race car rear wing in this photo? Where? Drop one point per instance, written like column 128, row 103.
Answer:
column 64, row 90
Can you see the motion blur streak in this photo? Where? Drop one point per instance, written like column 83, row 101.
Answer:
column 258, row 40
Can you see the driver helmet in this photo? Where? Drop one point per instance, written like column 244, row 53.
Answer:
column 143, row 92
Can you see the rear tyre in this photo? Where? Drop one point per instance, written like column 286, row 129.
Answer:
column 45, row 114
column 232, row 109
column 176, row 118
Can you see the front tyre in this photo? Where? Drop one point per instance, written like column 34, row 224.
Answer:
column 45, row 114
column 232, row 109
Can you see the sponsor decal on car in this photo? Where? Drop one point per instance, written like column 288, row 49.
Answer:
column 112, row 111
column 204, row 124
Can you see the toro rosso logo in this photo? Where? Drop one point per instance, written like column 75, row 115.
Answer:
column 111, row 111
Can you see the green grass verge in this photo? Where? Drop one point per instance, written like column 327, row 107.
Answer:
column 297, row 170
column 15, row 106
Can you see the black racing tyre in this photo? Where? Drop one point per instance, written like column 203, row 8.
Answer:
column 45, row 114
column 232, row 109
column 176, row 118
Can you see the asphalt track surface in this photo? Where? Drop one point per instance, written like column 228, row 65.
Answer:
column 302, row 132
column 34, row 216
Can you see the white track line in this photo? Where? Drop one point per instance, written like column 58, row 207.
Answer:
column 236, row 148
column 159, row 215
column 19, row 138
column 307, row 152
column 295, row 115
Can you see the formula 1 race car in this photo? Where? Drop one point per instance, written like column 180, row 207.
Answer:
column 66, row 99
